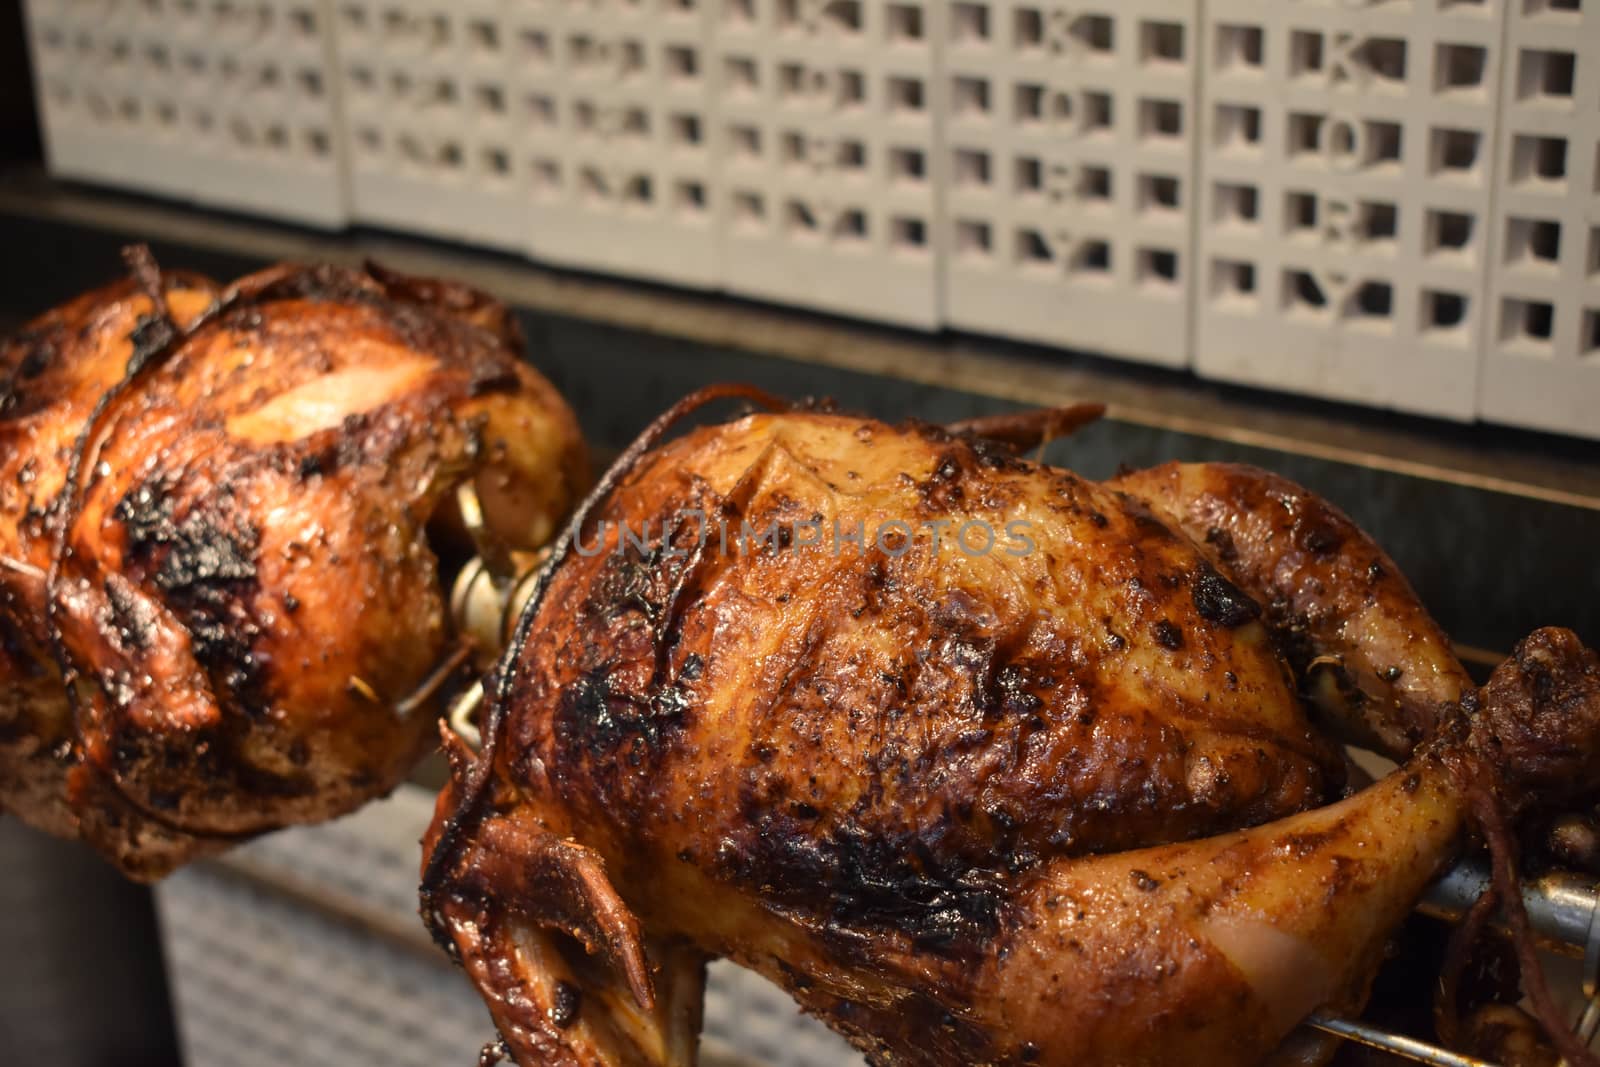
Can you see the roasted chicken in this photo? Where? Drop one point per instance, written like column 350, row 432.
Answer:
column 220, row 611
column 1078, row 798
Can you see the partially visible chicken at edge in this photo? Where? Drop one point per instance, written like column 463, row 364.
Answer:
column 239, row 582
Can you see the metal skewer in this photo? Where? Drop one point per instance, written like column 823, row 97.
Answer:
column 1562, row 907
column 1398, row 1044
column 1589, row 1021
column 1564, row 910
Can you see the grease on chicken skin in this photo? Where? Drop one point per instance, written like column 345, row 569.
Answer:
column 1050, row 808
column 245, row 592
column 1062, row 701
column 843, row 769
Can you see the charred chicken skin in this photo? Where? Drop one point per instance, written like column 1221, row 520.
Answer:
column 219, row 606
column 1076, row 805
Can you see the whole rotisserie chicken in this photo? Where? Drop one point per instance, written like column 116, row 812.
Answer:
column 1075, row 799
column 219, row 609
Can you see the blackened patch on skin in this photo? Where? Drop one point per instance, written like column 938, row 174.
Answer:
column 1220, row 601
column 995, row 456
column 566, row 1005
column 150, row 336
column 1222, row 541
column 202, row 554
column 600, row 716
column 315, row 464
column 39, row 356
column 1143, row 882
column 1317, row 538
column 1168, row 635
column 1146, row 520
column 632, row 581
column 204, row 565
column 875, row 879
column 17, row 645
column 942, row 491
column 146, row 514
column 1012, row 696
column 39, row 348
column 131, row 619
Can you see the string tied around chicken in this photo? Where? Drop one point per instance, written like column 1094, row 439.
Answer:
column 1532, row 732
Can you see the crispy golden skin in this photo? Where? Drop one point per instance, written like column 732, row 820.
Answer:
column 213, row 522
column 1055, row 807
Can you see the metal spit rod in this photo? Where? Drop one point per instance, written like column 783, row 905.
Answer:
column 1398, row 1044
column 1563, row 908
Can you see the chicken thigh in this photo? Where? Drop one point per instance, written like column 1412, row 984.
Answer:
column 219, row 609
column 1056, row 801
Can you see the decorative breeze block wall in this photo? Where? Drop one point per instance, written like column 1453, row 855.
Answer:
column 431, row 128
column 224, row 102
column 614, row 150
column 1387, row 202
column 824, row 123
column 1068, row 150
column 1345, row 184
column 1541, row 362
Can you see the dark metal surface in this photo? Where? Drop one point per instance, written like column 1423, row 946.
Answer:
column 81, row 977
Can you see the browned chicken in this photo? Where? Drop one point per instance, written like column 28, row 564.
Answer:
column 219, row 611
column 1060, row 801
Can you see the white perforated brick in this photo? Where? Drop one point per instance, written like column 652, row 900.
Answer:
column 613, row 106
column 1345, row 190
column 432, row 132
column 274, row 145
column 108, row 110
column 824, row 122
column 226, row 103
column 1390, row 202
column 1066, row 165
column 1541, row 365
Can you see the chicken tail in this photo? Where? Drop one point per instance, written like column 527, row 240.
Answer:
column 1022, row 430
column 1539, row 723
